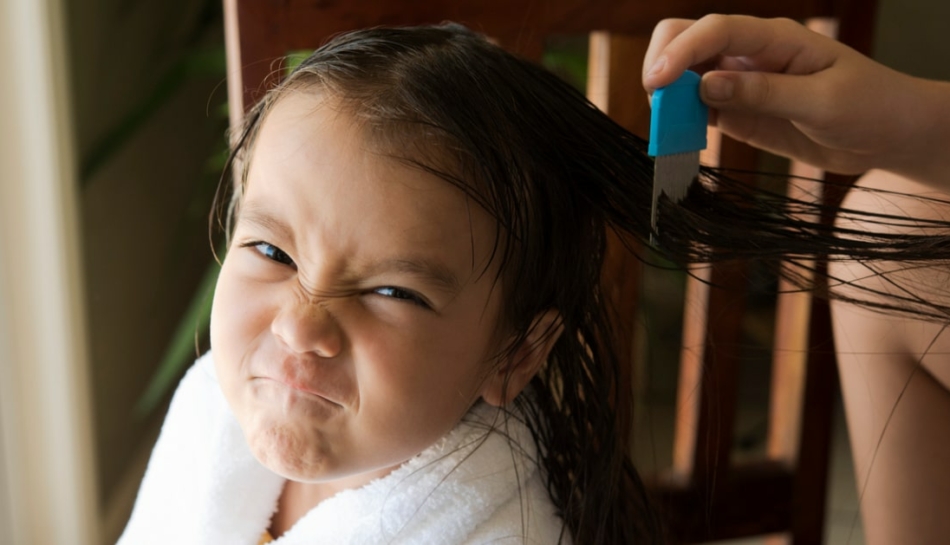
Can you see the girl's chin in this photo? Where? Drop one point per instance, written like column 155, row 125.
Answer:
column 290, row 453
column 300, row 458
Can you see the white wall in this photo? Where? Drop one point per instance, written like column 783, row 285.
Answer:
column 46, row 469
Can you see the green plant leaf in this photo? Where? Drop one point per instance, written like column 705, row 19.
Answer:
column 205, row 62
column 568, row 62
column 183, row 347
column 294, row 58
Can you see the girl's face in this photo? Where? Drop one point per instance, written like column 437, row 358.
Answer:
column 351, row 325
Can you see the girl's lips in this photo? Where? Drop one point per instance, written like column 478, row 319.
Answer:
column 310, row 376
column 303, row 387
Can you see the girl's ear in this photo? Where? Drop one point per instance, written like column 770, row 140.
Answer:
column 507, row 381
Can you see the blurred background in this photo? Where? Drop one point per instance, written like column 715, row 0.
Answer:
column 113, row 118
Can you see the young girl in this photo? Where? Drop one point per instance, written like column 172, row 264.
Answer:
column 409, row 339
column 409, row 343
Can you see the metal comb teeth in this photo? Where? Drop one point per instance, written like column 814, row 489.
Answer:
column 672, row 175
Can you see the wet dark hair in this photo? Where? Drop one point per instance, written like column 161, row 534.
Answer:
column 557, row 174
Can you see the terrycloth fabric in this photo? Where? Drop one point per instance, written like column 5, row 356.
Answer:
column 203, row 486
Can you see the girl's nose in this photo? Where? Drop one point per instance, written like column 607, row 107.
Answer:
column 307, row 327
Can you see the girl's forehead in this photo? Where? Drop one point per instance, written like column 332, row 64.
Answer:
column 313, row 168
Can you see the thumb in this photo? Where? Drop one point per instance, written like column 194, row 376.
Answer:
column 760, row 93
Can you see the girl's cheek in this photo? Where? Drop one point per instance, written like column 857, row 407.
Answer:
column 238, row 311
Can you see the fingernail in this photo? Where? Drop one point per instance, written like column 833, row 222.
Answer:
column 658, row 67
column 718, row 88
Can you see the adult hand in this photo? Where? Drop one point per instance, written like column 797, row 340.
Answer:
column 781, row 87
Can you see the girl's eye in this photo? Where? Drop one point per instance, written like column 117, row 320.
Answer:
column 272, row 252
column 402, row 295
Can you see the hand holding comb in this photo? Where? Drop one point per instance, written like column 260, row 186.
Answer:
column 677, row 134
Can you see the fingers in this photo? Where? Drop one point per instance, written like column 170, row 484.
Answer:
column 663, row 34
column 793, row 97
column 779, row 136
column 779, row 86
column 761, row 44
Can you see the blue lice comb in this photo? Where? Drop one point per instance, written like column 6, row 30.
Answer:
column 677, row 133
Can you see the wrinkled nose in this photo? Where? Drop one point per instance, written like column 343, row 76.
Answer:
column 308, row 327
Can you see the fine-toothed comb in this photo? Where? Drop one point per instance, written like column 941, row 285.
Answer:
column 677, row 134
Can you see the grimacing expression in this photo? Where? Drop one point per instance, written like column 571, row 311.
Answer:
column 354, row 323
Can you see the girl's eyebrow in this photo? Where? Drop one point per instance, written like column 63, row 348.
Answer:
column 431, row 272
column 262, row 218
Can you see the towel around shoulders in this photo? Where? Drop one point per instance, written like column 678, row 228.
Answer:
column 478, row 484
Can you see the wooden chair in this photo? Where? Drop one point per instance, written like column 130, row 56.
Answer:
column 704, row 495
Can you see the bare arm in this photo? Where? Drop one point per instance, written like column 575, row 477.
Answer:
column 895, row 378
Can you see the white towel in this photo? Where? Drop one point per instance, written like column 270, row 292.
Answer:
column 204, row 487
